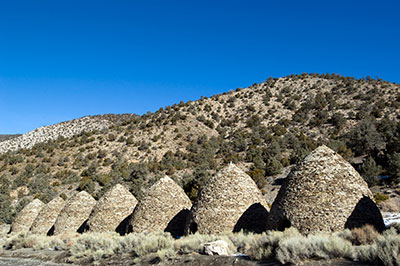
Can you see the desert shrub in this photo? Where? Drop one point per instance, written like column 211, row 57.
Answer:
column 90, row 171
column 95, row 245
column 20, row 180
column 67, row 176
column 340, row 147
column 395, row 227
column 264, row 248
column 278, row 130
column 191, row 184
column 321, row 246
column 107, row 162
column 6, row 211
column 12, row 159
column 209, row 123
column 111, row 137
column 273, row 167
column 46, row 242
column 87, row 184
column 365, row 235
column 143, row 244
column 15, row 241
column 103, row 180
column 37, row 242
column 258, row 176
column 143, row 145
column 388, row 248
column 45, row 196
column 21, row 204
column 298, row 155
column 135, row 176
column 172, row 160
column 379, row 197
column 39, row 184
column 13, row 170
column 63, row 196
column 370, row 171
column 338, row 121
column 253, row 121
column 80, row 161
column 394, row 168
column 364, row 138
column 130, row 140
column 290, row 246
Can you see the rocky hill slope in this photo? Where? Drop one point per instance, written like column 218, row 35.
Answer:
column 53, row 132
column 4, row 137
column 265, row 129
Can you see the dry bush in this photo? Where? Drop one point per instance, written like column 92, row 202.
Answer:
column 143, row 244
column 290, row 246
column 244, row 241
column 385, row 251
column 395, row 227
column 265, row 246
column 388, row 248
column 365, row 235
column 320, row 246
column 36, row 242
column 95, row 245
column 15, row 241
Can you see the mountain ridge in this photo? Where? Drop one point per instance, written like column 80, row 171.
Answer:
column 263, row 128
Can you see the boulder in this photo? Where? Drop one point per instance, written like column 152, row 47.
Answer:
column 219, row 247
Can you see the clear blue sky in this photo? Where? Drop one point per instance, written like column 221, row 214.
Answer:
column 62, row 59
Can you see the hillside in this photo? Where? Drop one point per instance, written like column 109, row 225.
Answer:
column 4, row 137
column 264, row 129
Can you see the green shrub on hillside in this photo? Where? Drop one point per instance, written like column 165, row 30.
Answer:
column 370, row 171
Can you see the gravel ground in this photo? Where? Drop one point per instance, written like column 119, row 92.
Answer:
column 26, row 262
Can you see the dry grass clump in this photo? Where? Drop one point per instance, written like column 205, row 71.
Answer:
column 37, row 242
column 145, row 243
column 101, row 245
column 385, row 251
column 364, row 235
column 388, row 248
column 95, row 245
column 395, row 227
column 290, row 246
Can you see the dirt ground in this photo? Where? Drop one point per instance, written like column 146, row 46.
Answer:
column 30, row 257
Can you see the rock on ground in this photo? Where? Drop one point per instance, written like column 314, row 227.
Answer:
column 219, row 247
